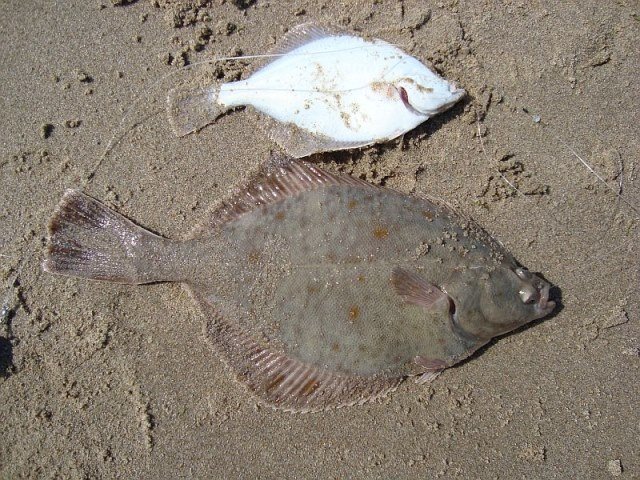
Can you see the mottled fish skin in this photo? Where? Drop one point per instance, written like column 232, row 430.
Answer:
column 323, row 290
column 322, row 279
column 324, row 89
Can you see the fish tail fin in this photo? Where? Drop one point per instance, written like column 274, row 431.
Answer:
column 190, row 109
column 87, row 239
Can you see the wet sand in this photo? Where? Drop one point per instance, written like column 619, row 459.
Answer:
column 108, row 381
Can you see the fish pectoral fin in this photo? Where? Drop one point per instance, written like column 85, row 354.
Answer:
column 427, row 377
column 281, row 380
column 416, row 290
column 432, row 368
column 191, row 108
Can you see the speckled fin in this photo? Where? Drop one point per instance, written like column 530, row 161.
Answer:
column 288, row 180
column 283, row 382
column 298, row 142
column 414, row 289
column 87, row 239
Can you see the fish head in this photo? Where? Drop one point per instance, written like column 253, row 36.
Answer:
column 428, row 95
column 499, row 300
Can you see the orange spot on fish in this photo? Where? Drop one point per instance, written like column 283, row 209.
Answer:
column 352, row 204
column 331, row 256
column 275, row 381
column 253, row 256
column 354, row 312
column 280, row 216
column 310, row 387
column 380, row 232
column 361, row 278
column 428, row 214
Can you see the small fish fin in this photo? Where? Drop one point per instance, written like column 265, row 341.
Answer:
column 414, row 289
column 433, row 368
column 87, row 239
column 303, row 34
column 283, row 382
column 277, row 160
column 191, row 108
column 427, row 377
column 296, row 37
column 298, row 142
column 288, row 180
column 430, row 364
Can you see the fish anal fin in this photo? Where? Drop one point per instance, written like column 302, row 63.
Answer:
column 283, row 382
column 192, row 107
column 298, row 142
column 416, row 290
column 285, row 180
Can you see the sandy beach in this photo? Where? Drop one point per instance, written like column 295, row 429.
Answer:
column 110, row 381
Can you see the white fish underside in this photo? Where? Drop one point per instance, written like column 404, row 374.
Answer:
column 335, row 87
column 325, row 91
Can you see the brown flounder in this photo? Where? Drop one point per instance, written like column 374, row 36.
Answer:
column 319, row 290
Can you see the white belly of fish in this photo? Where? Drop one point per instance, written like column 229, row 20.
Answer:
column 324, row 91
column 336, row 87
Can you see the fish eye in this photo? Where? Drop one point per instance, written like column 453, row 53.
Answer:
column 453, row 310
column 528, row 295
column 404, row 95
column 523, row 273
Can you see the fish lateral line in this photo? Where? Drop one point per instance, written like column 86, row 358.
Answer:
column 302, row 90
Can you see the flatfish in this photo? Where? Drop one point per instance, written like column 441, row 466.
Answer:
column 319, row 290
column 325, row 89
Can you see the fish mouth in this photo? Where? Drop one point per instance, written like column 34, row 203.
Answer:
column 456, row 92
column 544, row 305
column 454, row 96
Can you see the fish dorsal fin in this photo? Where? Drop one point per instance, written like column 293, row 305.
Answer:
column 282, row 381
column 296, row 37
column 303, row 34
column 416, row 290
column 290, row 179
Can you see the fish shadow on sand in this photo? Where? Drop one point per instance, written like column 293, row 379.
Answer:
column 6, row 347
column 6, row 357
column 428, row 128
column 555, row 294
